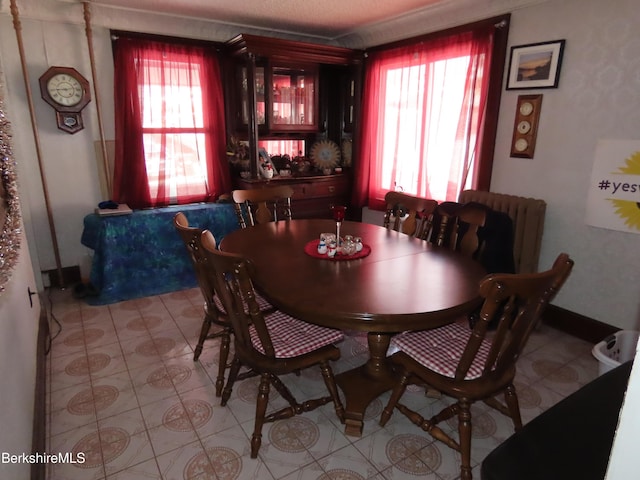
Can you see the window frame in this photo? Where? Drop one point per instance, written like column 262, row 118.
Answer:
column 482, row 174
column 217, row 178
column 167, row 132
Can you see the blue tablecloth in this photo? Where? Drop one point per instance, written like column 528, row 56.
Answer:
column 141, row 254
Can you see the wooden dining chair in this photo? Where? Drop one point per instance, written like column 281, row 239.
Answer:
column 468, row 365
column 409, row 214
column 214, row 312
column 262, row 205
column 459, row 225
column 272, row 345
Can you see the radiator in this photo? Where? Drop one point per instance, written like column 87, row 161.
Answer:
column 527, row 215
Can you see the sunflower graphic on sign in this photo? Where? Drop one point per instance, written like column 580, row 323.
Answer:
column 629, row 210
column 614, row 192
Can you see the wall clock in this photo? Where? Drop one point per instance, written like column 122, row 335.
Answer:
column 525, row 127
column 67, row 91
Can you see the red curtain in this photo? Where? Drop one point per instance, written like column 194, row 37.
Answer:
column 167, row 150
column 423, row 112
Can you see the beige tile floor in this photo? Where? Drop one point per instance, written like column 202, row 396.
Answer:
column 124, row 390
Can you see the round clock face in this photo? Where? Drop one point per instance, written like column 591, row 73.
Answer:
column 526, row 108
column 65, row 90
column 524, row 127
column 521, row 145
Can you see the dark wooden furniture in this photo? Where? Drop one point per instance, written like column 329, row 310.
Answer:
column 459, row 226
column 468, row 365
column 262, row 205
column 404, row 284
column 312, row 194
column 280, row 89
column 214, row 312
column 474, row 215
column 560, row 443
column 487, row 235
column 409, row 214
column 212, row 315
column 271, row 344
column 527, row 224
column 264, row 70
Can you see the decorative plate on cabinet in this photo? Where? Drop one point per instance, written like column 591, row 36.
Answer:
column 325, row 154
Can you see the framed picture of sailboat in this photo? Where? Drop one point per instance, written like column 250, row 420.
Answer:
column 536, row 65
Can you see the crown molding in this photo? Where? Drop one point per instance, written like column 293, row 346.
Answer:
column 439, row 16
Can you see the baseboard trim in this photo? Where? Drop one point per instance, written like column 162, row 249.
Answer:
column 577, row 325
column 39, row 433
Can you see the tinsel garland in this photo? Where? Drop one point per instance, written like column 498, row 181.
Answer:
column 10, row 235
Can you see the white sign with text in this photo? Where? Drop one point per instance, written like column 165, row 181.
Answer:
column 613, row 199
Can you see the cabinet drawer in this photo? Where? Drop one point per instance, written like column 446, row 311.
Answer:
column 319, row 189
column 337, row 187
column 311, row 194
column 301, row 190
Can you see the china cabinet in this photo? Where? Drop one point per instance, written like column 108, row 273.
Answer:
column 280, row 90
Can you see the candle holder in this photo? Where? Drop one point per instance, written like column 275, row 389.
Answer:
column 338, row 215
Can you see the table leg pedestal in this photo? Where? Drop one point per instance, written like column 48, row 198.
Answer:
column 365, row 383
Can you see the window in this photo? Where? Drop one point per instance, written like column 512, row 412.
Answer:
column 411, row 127
column 424, row 120
column 170, row 141
column 172, row 127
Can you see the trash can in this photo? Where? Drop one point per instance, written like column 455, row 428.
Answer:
column 616, row 349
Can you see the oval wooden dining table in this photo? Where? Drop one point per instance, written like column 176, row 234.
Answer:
column 403, row 284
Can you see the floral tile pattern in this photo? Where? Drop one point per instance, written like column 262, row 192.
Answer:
column 124, row 391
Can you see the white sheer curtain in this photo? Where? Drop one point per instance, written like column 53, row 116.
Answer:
column 423, row 111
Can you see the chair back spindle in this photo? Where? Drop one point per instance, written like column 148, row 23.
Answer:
column 459, row 226
column 262, row 205
column 409, row 214
column 191, row 239
column 213, row 313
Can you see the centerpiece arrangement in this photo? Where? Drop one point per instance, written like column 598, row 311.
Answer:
column 333, row 246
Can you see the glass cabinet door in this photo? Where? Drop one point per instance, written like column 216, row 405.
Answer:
column 286, row 98
column 260, row 96
column 294, row 99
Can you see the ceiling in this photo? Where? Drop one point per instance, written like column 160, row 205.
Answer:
column 327, row 19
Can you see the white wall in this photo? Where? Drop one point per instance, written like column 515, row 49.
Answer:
column 18, row 344
column 19, row 320
column 68, row 161
column 597, row 98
